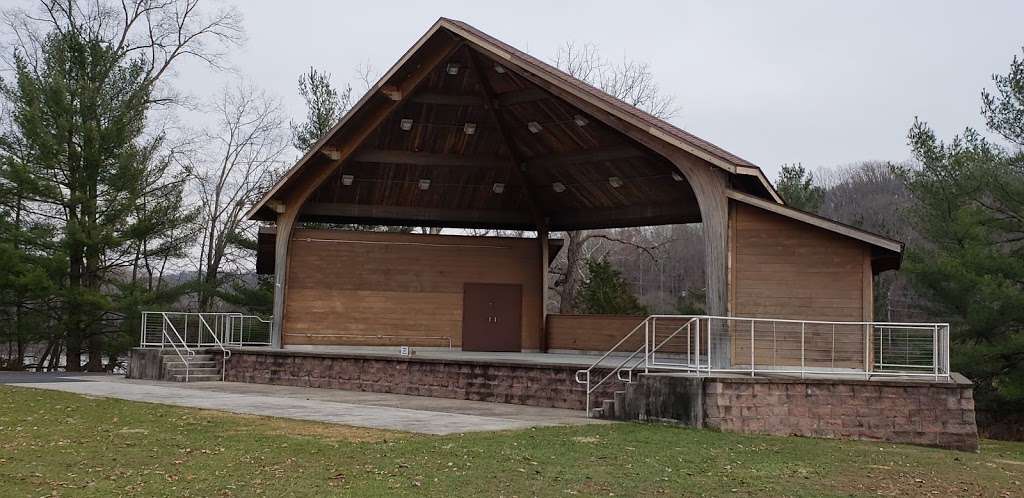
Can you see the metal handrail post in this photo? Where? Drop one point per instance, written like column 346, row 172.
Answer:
column 647, row 345
column 867, row 345
column 708, row 344
column 803, row 360
column 751, row 348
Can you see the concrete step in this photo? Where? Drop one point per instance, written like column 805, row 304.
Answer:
column 191, row 359
column 193, row 364
column 608, row 408
column 195, row 378
column 619, row 413
column 193, row 371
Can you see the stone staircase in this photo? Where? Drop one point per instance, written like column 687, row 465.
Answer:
column 202, row 367
column 611, row 409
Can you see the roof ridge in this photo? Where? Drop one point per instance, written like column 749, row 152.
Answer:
column 636, row 111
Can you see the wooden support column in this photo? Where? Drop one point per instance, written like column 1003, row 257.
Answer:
column 710, row 185
column 545, row 248
column 353, row 135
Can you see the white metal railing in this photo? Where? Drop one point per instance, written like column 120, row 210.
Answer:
column 224, row 352
column 206, row 330
column 249, row 330
column 706, row 345
column 176, row 342
column 629, row 362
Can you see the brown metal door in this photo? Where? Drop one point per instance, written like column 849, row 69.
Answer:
column 492, row 317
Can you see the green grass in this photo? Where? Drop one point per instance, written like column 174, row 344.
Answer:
column 64, row 444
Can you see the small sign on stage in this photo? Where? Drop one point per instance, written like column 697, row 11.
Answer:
column 403, row 350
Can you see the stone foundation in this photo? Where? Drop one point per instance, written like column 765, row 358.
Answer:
column 925, row 413
column 496, row 380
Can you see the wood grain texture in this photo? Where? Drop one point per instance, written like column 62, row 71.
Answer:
column 600, row 333
column 368, row 283
column 782, row 268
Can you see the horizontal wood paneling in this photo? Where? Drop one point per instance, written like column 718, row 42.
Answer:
column 589, row 332
column 410, row 286
column 601, row 332
column 781, row 268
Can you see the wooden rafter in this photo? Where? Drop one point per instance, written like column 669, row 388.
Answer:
column 518, row 163
column 430, row 159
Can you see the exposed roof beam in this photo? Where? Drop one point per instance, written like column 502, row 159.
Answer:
column 406, row 86
column 587, row 156
column 447, row 99
column 523, row 95
column 431, row 159
column 519, row 166
column 403, row 215
column 625, row 217
column 493, row 161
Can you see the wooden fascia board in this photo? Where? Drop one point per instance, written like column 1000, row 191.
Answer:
column 817, row 221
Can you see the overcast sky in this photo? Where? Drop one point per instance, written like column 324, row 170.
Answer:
column 820, row 83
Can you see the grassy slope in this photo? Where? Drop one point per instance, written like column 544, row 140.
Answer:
column 52, row 442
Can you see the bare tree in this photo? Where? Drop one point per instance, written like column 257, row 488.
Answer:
column 633, row 83
column 628, row 80
column 236, row 162
column 155, row 33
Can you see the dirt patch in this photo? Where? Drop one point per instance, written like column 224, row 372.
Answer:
column 896, row 479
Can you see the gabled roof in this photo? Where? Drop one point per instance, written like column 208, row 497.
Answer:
column 887, row 253
column 527, row 64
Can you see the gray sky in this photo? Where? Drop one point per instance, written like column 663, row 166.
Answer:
column 822, row 83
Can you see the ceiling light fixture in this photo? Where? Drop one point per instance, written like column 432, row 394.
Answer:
column 405, row 124
column 347, row 180
column 676, row 176
column 558, row 187
column 615, row 181
column 580, row 120
column 498, row 68
column 534, row 127
column 469, row 128
column 498, row 188
column 452, row 68
column 424, row 183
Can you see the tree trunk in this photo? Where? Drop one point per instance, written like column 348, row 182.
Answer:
column 95, row 363
column 571, row 283
column 73, row 322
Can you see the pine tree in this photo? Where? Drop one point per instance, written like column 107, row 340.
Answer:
column 797, row 188
column 604, row 292
column 324, row 108
column 81, row 158
column 969, row 205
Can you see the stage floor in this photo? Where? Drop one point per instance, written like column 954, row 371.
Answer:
column 567, row 359
column 580, row 359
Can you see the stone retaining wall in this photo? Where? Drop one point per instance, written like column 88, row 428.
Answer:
column 502, row 382
column 924, row 413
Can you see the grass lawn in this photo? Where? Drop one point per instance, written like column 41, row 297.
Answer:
column 64, row 444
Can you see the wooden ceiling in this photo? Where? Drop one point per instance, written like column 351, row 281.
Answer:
column 466, row 130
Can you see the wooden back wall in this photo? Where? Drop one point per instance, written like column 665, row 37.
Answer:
column 344, row 283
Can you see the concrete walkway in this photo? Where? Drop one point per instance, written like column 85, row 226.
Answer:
column 374, row 410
